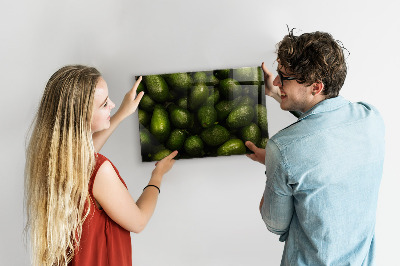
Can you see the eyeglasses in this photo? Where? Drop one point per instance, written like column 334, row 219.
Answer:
column 282, row 78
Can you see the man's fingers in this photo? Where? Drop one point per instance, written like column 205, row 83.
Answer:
column 251, row 146
column 252, row 156
column 265, row 69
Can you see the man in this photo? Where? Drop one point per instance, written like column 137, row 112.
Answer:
column 323, row 171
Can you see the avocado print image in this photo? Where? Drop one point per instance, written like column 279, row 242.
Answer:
column 202, row 114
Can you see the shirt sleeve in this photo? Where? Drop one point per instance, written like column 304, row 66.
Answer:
column 277, row 209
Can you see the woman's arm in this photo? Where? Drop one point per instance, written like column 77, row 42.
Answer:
column 116, row 201
column 128, row 106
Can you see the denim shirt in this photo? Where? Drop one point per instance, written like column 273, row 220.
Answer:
column 323, row 176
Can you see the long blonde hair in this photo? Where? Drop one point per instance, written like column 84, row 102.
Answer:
column 59, row 162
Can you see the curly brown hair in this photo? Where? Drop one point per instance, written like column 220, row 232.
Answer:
column 314, row 57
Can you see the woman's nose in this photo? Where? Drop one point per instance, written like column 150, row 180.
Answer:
column 112, row 105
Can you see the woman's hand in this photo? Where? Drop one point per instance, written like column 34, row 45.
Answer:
column 131, row 101
column 259, row 154
column 270, row 89
column 163, row 166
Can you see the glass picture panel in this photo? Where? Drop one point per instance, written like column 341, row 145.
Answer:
column 202, row 114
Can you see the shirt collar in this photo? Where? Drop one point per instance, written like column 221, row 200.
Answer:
column 325, row 106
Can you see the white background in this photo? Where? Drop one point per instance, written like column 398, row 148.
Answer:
column 208, row 208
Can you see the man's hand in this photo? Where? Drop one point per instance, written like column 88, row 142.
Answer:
column 259, row 154
column 270, row 89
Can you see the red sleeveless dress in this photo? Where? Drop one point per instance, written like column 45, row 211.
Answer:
column 103, row 241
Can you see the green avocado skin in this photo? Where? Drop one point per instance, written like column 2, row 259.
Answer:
column 223, row 109
column 263, row 143
column 230, row 89
column 240, row 116
column 215, row 135
column 232, row 147
column 251, row 133
column 176, row 139
column 200, row 77
column 207, row 116
column 262, row 121
column 157, row 88
column 248, row 74
column 144, row 117
column 180, row 117
column 147, row 103
column 179, row 81
column 159, row 125
column 198, row 96
column 194, row 146
column 145, row 141
column 161, row 155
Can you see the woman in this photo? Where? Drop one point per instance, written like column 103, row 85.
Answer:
column 78, row 207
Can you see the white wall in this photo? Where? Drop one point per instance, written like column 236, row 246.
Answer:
column 208, row 208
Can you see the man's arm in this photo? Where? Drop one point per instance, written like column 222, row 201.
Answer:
column 128, row 106
column 276, row 206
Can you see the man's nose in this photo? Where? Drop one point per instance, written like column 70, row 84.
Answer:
column 277, row 81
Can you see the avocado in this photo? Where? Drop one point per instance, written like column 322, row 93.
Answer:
column 200, row 77
column 170, row 107
column 159, row 125
column 179, row 81
column 263, row 143
column 144, row 117
column 176, row 139
column 145, row 141
column 207, row 116
column 223, row 109
column 261, row 116
column 251, row 133
column 194, row 146
column 194, row 126
column 180, row 117
column 248, row 75
column 213, row 98
column 240, row 116
column 251, row 91
column 172, row 96
column 198, row 96
column 157, row 88
column 160, row 155
column 182, row 102
column 222, row 73
column 140, row 88
column 215, row 135
column 246, row 100
column 212, row 80
column 230, row 89
column 232, row 147
column 147, row 103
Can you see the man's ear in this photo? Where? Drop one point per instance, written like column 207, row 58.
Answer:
column 317, row 88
